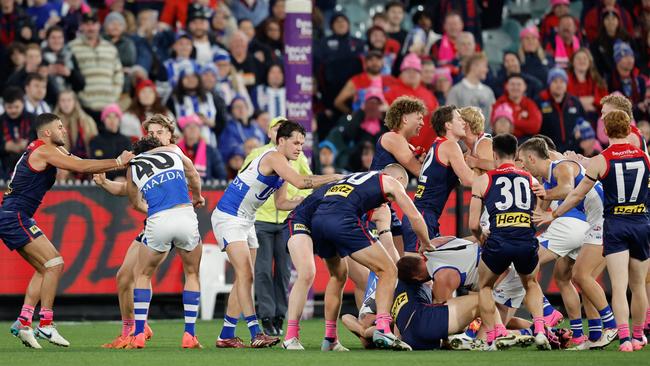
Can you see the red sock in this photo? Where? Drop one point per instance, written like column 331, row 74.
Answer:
column 46, row 315
column 382, row 323
column 637, row 332
column 330, row 329
column 647, row 318
column 491, row 335
column 26, row 314
column 539, row 324
column 293, row 329
column 500, row 331
column 127, row 326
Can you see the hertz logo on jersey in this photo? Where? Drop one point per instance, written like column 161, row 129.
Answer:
column 419, row 191
column 630, row 210
column 342, row 190
column 513, row 219
column 400, row 301
column 301, row 227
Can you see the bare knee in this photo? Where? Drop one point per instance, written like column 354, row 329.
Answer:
column 124, row 277
column 245, row 275
column 389, row 269
column 307, row 275
column 54, row 265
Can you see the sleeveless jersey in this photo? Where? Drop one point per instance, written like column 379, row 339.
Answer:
column 625, row 181
column 355, row 194
column 483, row 136
column 249, row 190
column 436, row 181
column 459, row 254
column 160, row 177
column 510, row 203
column 382, row 157
column 28, row 186
column 591, row 204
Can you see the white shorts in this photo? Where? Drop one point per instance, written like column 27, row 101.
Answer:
column 175, row 226
column 485, row 220
column 229, row 229
column 564, row 236
column 510, row 291
column 595, row 233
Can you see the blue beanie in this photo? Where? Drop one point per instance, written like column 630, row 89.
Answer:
column 622, row 49
column 555, row 73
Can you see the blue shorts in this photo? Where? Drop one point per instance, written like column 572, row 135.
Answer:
column 498, row 254
column 428, row 327
column 298, row 224
column 17, row 230
column 339, row 234
column 627, row 234
column 411, row 243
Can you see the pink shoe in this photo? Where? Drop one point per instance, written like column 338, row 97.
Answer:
column 626, row 347
column 554, row 319
column 637, row 345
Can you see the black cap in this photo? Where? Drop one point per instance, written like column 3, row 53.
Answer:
column 89, row 17
column 374, row 54
column 337, row 15
column 198, row 11
column 515, row 75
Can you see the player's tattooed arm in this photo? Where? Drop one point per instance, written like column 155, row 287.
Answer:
column 276, row 162
column 283, row 202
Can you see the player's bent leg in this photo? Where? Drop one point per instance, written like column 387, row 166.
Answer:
column 462, row 310
column 545, row 255
column 445, row 282
column 338, row 270
column 191, row 294
column 638, row 272
column 301, row 250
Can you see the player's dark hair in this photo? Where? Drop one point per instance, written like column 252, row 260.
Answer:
column 504, row 146
column 287, row 128
column 145, row 144
column 44, row 119
column 53, row 29
column 441, row 116
column 549, row 142
column 33, row 76
column 538, row 146
column 12, row 94
column 408, row 269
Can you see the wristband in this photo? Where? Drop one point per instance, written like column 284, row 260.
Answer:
column 383, row 232
column 118, row 160
column 554, row 214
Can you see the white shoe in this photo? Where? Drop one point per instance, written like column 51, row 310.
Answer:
column 293, row 344
column 50, row 333
column 327, row 346
column 506, row 341
column 608, row 336
column 481, row 345
column 542, row 342
column 389, row 341
column 26, row 335
column 460, row 342
column 523, row 340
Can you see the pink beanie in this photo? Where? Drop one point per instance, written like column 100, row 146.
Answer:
column 503, row 110
column 411, row 61
column 111, row 108
column 529, row 31
column 559, row 2
column 373, row 92
column 191, row 118
column 442, row 72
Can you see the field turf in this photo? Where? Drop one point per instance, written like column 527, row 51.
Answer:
column 164, row 349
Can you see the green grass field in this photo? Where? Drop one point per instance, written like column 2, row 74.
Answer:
column 164, row 349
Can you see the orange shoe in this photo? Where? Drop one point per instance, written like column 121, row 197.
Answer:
column 138, row 341
column 148, row 333
column 190, row 341
column 118, row 343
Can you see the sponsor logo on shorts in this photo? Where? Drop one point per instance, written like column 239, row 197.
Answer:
column 34, row 229
column 513, row 219
column 419, row 191
column 629, row 210
column 400, row 301
column 342, row 190
column 301, row 227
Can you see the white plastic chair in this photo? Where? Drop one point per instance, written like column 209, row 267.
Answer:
column 213, row 278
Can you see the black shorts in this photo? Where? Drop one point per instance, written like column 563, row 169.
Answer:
column 17, row 230
column 627, row 234
column 498, row 255
column 428, row 326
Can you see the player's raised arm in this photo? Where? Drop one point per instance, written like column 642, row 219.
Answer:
column 55, row 157
column 134, row 195
column 476, row 205
column 395, row 192
column 283, row 202
column 281, row 166
column 110, row 186
column 400, row 149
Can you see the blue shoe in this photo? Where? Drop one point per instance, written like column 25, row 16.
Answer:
column 389, row 341
column 15, row 328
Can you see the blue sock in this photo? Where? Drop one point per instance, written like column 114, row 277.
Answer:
column 371, row 285
column 608, row 317
column 576, row 328
column 191, row 308
column 595, row 329
column 548, row 308
column 526, row 331
column 253, row 325
column 141, row 301
column 228, row 330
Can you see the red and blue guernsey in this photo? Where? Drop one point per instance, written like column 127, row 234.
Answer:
column 24, row 194
column 625, row 183
column 435, row 183
column 510, row 202
column 337, row 224
column 382, row 157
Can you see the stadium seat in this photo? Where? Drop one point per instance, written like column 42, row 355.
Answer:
column 213, row 278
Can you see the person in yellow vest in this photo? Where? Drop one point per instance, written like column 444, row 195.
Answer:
column 271, row 282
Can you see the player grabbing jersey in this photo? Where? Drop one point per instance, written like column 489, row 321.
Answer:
column 233, row 222
column 157, row 184
column 33, row 176
column 506, row 192
column 161, row 127
column 623, row 170
column 443, row 167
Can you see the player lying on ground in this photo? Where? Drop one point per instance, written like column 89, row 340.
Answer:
column 33, row 176
column 234, row 217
